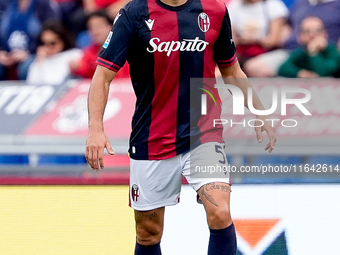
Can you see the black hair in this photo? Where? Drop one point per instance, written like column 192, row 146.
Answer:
column 102, row 13
column 58, row 28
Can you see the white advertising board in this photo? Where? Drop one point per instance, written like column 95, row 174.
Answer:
column 269, row 219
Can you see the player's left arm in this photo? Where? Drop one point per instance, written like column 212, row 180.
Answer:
column 233, row 74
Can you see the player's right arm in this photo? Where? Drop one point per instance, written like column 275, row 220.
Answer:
column 97, row 99
column 111, row 58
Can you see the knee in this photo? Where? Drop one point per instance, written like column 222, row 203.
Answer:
column 219, row 218
column 149, row 233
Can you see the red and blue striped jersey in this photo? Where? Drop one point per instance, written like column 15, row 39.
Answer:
column 167, row 46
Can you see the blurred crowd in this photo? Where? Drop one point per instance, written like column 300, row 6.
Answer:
column 49, row 41
column 299, row 38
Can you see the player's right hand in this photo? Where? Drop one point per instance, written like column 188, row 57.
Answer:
column 95, row 144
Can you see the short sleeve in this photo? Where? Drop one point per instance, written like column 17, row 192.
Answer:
column 115, row 49
column 224, row 48
column 276, row 9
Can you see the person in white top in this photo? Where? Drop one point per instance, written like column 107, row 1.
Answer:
column 256, row 25
column 55, row 52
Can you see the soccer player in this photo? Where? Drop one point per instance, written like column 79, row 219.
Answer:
column 167, row 42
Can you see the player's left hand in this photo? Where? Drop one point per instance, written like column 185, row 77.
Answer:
column 267, row 126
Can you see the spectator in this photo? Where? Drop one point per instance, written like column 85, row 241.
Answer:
column 74, row 12
column 54, row 53
column 111, row 6
column 3, row 5
column 20, row 25
column 316, row 58
column 337, row 74
column 99, row 25
column 267, row 65
column 257, row 26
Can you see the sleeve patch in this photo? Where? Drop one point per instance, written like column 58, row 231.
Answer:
column 107, row 41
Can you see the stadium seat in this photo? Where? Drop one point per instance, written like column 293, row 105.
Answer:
column 237, row 160
column 61, row 159
column 329, row 160
column 14, row 159
column 275, row 160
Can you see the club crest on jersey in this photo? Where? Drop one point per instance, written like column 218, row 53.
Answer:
column 203, row 22
column 135, row 192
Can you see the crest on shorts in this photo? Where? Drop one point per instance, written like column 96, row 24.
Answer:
column 203, row 22
column 135, row 192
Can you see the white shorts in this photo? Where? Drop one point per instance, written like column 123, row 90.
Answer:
column 157, row 183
